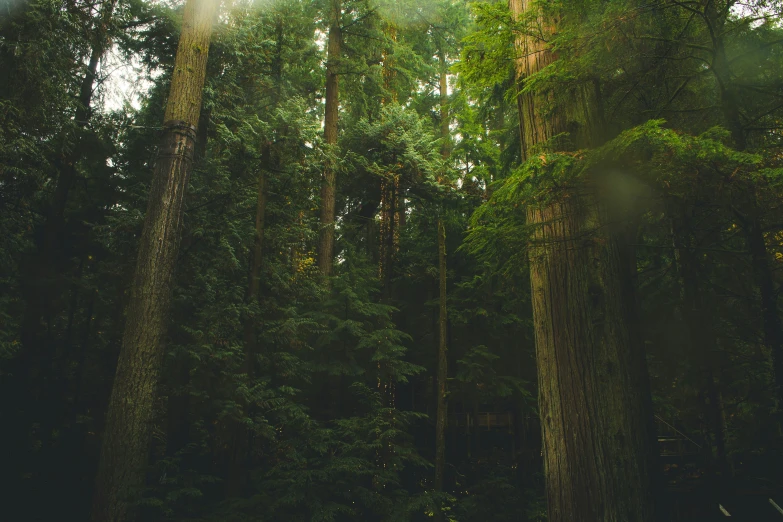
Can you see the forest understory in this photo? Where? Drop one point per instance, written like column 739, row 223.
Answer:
column 391, row 260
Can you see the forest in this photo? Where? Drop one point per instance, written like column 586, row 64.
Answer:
column 391, row 260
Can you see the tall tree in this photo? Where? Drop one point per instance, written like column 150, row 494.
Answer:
column 128, row 420
column 332, row 105
column 44, row 264
column 441, row 415
column 717, row 18
column 594, row 414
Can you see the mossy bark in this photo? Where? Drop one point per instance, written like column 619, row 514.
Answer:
column 127, row 430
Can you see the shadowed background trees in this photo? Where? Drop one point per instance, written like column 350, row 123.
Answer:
column 422, row 244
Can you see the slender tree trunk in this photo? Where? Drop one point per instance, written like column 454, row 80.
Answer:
column 442, row 404
column 721, row 70
column 751, row 224
column 390, row 184
column 255, row 266
column 128, row 421
column 773, row 331
column 388, row 232
column 328, row 185
column 441, row 417
column 39, row 301
column 597, row 444
column 702, row 336
column 240, row 434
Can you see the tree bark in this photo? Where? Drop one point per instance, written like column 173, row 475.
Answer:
column 328, row 185
column 128, row 421
column 596, row 439
column 597, row 444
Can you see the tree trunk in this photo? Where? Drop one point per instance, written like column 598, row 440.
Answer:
column 596, row 438
column 240, row 434
column 751, row 225
column 328, row 185
column 128, row 420
column 442, row 404
column 702, row 336
column 390, row 184
column 44, row 265
column 773, row 331
column 441, row 416
column 597, row 444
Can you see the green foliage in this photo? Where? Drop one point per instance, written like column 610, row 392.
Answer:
column 332, row 382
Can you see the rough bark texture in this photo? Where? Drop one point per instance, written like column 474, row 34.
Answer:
column 326, row 239
column 597, row 444
column 596, row 440
column 127, row 432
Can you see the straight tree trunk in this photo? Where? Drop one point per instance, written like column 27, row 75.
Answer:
column 441, row 416
column 44, row 265
column 390, row 185
column 328, row 185
column 442, row 404
column 702, row 336
column 773, row 330
column 751, row 224
column 127, row 432
column 597, row 445
column 240, row 434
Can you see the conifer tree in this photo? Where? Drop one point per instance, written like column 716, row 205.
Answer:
column 128, row 420
column 331, row 109
column 597, row 445
column 442, row 370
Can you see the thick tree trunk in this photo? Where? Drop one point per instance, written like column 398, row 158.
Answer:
column 595, row 433
column 597, row 444
column 328, row 185
column 128, row 421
